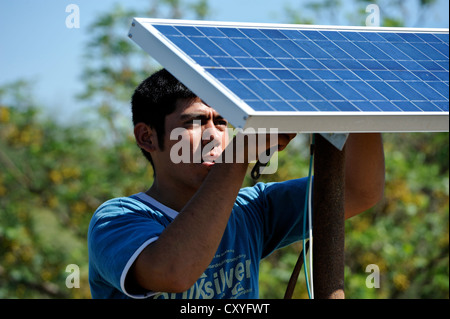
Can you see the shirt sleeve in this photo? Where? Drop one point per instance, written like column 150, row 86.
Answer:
column 283, row 214
column 119, row 231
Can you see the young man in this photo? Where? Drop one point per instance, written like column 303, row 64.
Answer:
column 194, row 233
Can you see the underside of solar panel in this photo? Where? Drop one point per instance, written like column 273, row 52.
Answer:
column 304, row 78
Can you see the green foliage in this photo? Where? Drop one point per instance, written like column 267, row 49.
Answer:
column 54, row 176
column 51, row 180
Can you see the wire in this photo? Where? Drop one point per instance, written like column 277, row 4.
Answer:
column 308, row 215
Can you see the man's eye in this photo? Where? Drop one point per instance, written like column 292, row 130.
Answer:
column 222, row 122
column 195, row 122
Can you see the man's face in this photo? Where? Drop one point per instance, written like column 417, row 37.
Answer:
column 195, row 135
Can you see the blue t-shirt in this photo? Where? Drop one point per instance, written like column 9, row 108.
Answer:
column 264, row 218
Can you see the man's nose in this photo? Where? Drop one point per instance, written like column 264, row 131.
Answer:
column 211, row 134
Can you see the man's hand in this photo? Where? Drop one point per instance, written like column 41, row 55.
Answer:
column 284, row 140
column 246, row 148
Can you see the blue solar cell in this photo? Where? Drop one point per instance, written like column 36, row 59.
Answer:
column 334, row 51
column 407, row 90
column 373, row 51
column 411, row 51
column 442, row 88
column 292, row 64
column 293, row 49
column 313, row 64
column 303, row 106
column 406, row 76
column 372, row 37
column 236, row 86
column 232, row 33
column 426, row 91
column 220, row 74
column 386, row 90
column 346, row 75
column 208, row 46
column 205, row 61
column 313, row 35
column 210, row 32
column 273, row 34
column 304, row 90
column 270, row 63
column 386, row 106
column 345, row 106
column 242, row 74
column 425, row 75
column 353, row 36
column 444, row 64
column 281, row 106
column 366, row 106
column 391, row 37
column 251, row 48
column 444, row 106
column 332, row 64
column 353, row 65
column 310, row 49
column 392, row 65
column 271, row 47
column 293, row 34
column 310, row 70
column 428, row 37
column 283, row 90
column 372, row 65
column 284, row 74
column 442, row 48
column 391, row 50
column 189, row 31
column 324, row 106
column 261, row 89
column 187, row 45
column 427, row 107
column 411, row 65
column 305, row 74
column 230, row 47
column 345, row 90
column 442, row 37
column 325, row 75
column 227, row 62
column 431, row 65
column 367, row 90
column 386, row 75
column 325, row 90
column 353, row 50
column 442, row 76
column 409, row 37
column 263, row 74
column 253, row 33
column 248, row 62
column 366, row 75
column 407, row 106
column 429, row 51
column 260, row 106
column 333, row 36
column 167, row 30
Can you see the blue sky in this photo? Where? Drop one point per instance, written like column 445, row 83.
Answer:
column 35, row 43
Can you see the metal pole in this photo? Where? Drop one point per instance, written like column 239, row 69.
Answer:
column 328, row 221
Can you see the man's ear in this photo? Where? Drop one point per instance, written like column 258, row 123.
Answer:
column 146, row 137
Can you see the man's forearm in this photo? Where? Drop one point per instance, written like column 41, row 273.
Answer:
column 364, row 172
column 186, row 247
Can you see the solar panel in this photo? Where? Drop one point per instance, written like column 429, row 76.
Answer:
column 308, row 78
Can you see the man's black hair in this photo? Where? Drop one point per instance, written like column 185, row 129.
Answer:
column 154, row 99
